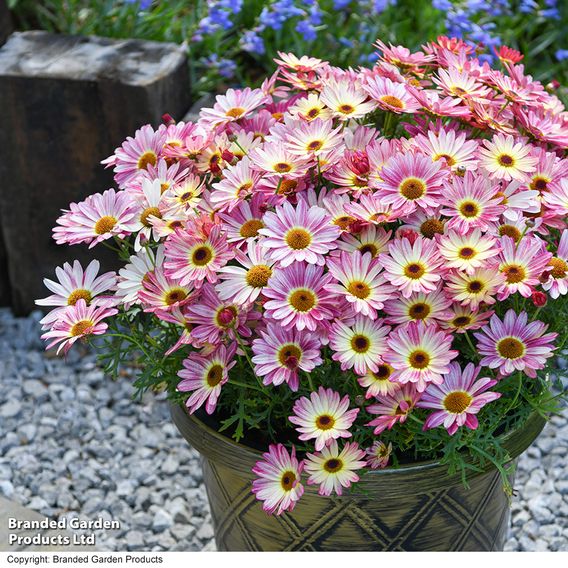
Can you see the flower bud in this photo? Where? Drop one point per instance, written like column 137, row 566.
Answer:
column 226, row 316
column 539, row 298
column 168, row 119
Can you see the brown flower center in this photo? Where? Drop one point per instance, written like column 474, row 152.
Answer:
column 105, row 224
column 325, row 422
column 475, row 287
column 315, row 145
column 412, row 188
column 559, row 267
column 175, row 295
column 258, row 275
column 539, row 183
column 419, row 359
column 289, row 356
column 81, row 327
column 384, row 371
column 79, row 294
column 510, row 231
column 414, row 271
column 419, row 311
column 149, row 212
column 360, row 343
column 469, row 209
column 457, row 402
column 214, row 375
column 202, row 256
column 287, row 186
column 343, row 222
column 449, row 160
column 461, row 321
column 369, row 247
column 302, row 300
column 298, row 238
column 505, row 160
column 333, row 465
column 250, row 228
column 346, row 109
column 514, row 273
column 288, row 480
column 282, row 167
column 359, row 289
column 466, row 253
column 432, row 227
column 147, row 158
column 510, row 348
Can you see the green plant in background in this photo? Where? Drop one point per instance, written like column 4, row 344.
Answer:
column 234, row 41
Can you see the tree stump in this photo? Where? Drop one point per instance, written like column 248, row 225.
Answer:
column 66, row 103
column 6, row 26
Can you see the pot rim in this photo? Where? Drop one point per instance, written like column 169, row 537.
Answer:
column 217, row 447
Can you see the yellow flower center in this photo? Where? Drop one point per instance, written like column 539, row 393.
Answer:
column 414, row 271
column 369, row 247
column 539, row 183
column 333, row 465
column 469, row 209
column 298, row 238
column 287, row 186
column 282, row 167
column 214, row 375
column 325, row 422
column 559, row 267
column 510, row 231
column 359, row 289
column 343, row 222
column 250, row 228
column 449, row 160
column 346, row 109
column 419, row 359
column 419, row 311
column 432, row 227
column 201, row 255
column 81, row 327
column 288, row 480
column 79, row 294
column 302, row 300
column 360, row 343
column 289, row 356
column 244, row 188
column 149, row 212
column 510, row 348
column 466, row 253
column 105, row 224
column 258, row 275
column 147, row 158
column 412, row 188
column 457, row 402
column 315, row 145
column 175, row 295
column 392, row 101
column 235, row 112
column 506, row 160
column 514, row 273
column 475, row 286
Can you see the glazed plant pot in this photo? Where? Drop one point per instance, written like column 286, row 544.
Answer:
column 417, row 507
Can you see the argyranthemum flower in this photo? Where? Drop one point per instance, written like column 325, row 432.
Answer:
column 279, row 355
column 191, row 260
column 324, row 416
column 522, row 264
column 298, row 297
column 557, row 283
column 232, row 106
column 75, row 322
column 462, row 318
column 370, row 240
column 390, row 96
column 162, row 293
column 393, row 408
column 245, row 220
column 243, row 284
column 184, row 196
column 513, row 344
column 413, row 267
column 378, row 382
column 346, row 100
column 278, row 483
column 132, row 276
column 359, row 346
column 310, row 108
column 332, row 470
column 203, row 377
column 449, row 147
column 75, row 284
column 100, row 217
column 458, row 399
column 420, row 307
column 420, row 354
column 411, row 179
column 238, row 182
column 471, row 202
column 297, row 234
column 467, row 252
column 557, row 200
column 504, row 158
column 313, row 138
column 362, row 285
column 275, row 159
column 378, row 455
column 473, row 289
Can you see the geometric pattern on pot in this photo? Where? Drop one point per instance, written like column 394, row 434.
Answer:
column 454, row 518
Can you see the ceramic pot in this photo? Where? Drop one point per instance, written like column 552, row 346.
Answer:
column 417, row 507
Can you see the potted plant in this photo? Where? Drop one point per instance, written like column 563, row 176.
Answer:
column 352, row 284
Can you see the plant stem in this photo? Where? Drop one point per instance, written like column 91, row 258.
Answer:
column 470, row 343
column 244, row 385
column 244, row 350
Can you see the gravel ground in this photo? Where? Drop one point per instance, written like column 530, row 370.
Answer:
column 73, row 443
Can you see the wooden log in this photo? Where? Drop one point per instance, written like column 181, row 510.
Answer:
column 66, row 103
column 6, row 26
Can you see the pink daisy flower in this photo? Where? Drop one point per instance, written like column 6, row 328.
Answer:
column 378, row 382
column 458, row 399
column 513, row 344
column 557, row 283
column 362, row 285
column 191, row 260
column 279, row 355
column 244, row 221
column 213, row 319
column 411, row 179
column 390, row 96
column 275, row 159
column 100, row 217
column 132, row 276
column 312, row 138
column 378, row 455
column 162, row 293
column 75, row 322
column 449, row 147
column 420, row 354
column 471, row 202
column 278, row 483
column 239, row 181
column 203, row 377
column 232, row 106
column 371, row 240
column 345, row 99
column 422, row 307
column 413, row 267
column 393, row 408
column 505, row 158
column 467, row 252
column 323, row 417
column 136, row 154
column 462, row 318
column 298, row 297
column 299, row 234
column 521, row 264
column 476, row 288
column 333, row 470
column 359, row 346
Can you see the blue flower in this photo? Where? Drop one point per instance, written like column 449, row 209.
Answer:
column 251, row 42
column 561, row 54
